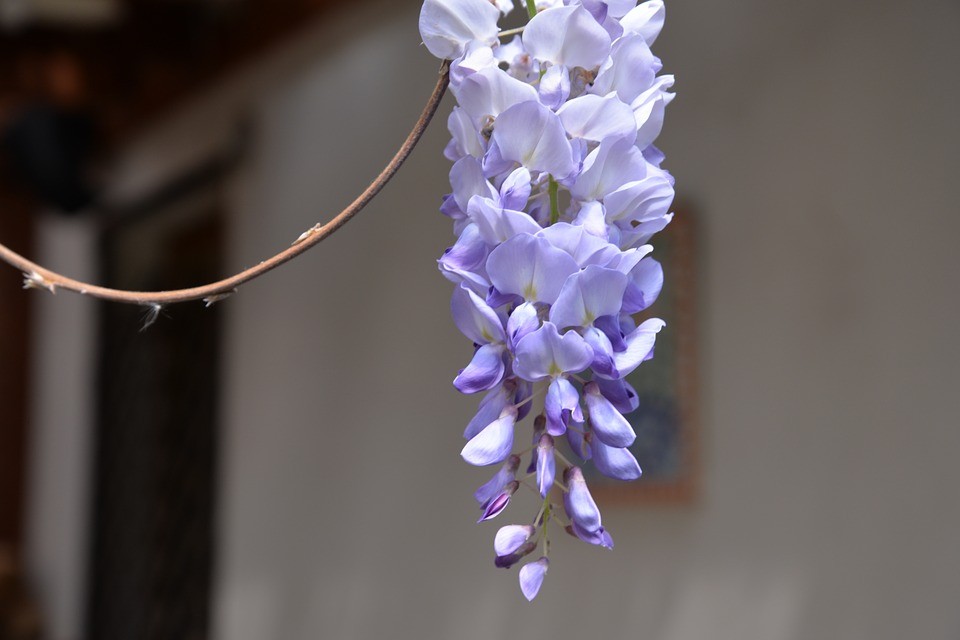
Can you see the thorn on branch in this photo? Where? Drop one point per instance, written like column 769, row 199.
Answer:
column 34, row 280
column 150, row 315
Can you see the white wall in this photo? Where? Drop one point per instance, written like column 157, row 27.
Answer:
column 818, row 140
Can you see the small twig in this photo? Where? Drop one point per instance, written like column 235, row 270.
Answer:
column 37, row 276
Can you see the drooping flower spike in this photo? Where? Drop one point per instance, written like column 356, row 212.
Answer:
column 556, row 193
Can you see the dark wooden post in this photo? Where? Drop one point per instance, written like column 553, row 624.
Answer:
column 16, row 230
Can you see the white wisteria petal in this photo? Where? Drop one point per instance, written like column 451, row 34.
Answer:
column 477, row 56
column 639, row 343
column 465, row 137
column 588, row 295
column 448, row 26
column 629, row 71
column 491, row 91
column 596, row 118
column 497, row 224
column 466, row 178
column 607, row 168
column 648, row 110
column 646, row 19
column 640, row 200
column 567, row 36
column 532, row 134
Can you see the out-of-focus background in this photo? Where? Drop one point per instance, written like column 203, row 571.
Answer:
column 284, row 465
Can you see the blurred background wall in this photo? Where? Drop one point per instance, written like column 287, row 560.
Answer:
column 817, row 143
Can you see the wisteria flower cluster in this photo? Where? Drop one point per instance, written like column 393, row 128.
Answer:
column 556, row 191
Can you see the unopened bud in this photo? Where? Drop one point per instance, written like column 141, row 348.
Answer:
column 507, row 561
column 500, row 502
column 512, row 537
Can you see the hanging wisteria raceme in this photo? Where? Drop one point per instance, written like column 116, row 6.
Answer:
column 557, row 190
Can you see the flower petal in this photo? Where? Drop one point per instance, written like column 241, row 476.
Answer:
column 493, row 444
column 640, row 200
column 646, row 19
column 469, row 253
column 515, row 190
column 649, row 108
column 531, row 577
column 610, row 427
column 447, row 26
column 484, row 372
column 491, row 407
column 555, row 86
column 642, row 233
column 545, row 353
column 607, row 168
column 580, row 244
column 561, row 405
column 646, row 282
column 593, row 220
column 620, row 394
column 578, row 502
column 474, row 318
column 476, row 56
column 507, row 561
column 491, row 91
column 522, row 321
column 466, row 139
column 596, row 118
column 466, row 178
column 614, row 462
column 496, row 224
column 512, row 537
column 531, row 134
column 629, row 71
column 496, row 506
column 546, row 465
column 529, row 266
column 639, row 343
column 600, row 537
column 495, row 486
column 602, row 364
column 587, row 295
column 567, row 36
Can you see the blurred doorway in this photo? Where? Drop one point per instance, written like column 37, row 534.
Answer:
column 157, row 430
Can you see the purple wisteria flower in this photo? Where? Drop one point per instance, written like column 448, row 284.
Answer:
column 556, row 192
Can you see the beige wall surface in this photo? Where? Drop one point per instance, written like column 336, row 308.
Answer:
column 818, row 142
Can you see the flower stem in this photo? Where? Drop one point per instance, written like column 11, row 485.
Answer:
column 531, row 8
column 554, row 201
column 530, row 398
column 511, row 32
column 563, row 458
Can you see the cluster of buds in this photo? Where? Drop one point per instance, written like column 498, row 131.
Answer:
column 557, row 190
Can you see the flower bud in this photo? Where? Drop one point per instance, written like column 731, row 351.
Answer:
column 512, row 537
column 546, row 465
column 499, row 503
column 578, row 502
column 507, row 561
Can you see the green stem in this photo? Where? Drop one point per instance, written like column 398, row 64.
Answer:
column 546, row 534
column 531, row 8
column 554, row 201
